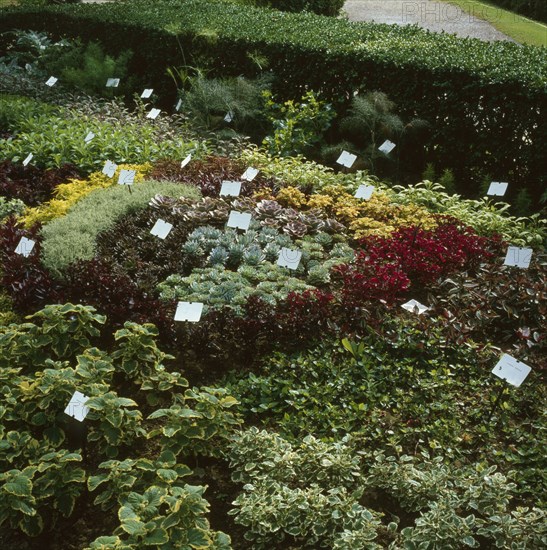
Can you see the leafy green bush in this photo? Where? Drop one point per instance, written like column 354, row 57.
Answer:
column 72, row 237
column 9, row 207
column 55, row 136
column 456, row 85
column 322, row 7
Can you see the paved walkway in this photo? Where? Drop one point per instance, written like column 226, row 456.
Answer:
column 429, row 14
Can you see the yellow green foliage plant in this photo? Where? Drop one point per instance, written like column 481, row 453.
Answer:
column 68, row 194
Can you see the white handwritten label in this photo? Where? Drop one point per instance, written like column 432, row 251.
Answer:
column 51, row 81
column 415, row 307
column 511, row 370
column 126, row 177
column 229, row 117
column 497, row 188
column 289, row 258
column 153, row 114
column 161, row 229
column 25, row 246
column 112, row 82
column 109, row 169
column 250, row 174
column 230, row 188
column 239, row 220
column 189, row 311
column 76, row 406
column 518, row 257
column 178, row 105
column 147, row 93
column 364, row 192
column 185, row 161
column 28, row 159
column 346, row 159
column 387, row 147
column 89, row 137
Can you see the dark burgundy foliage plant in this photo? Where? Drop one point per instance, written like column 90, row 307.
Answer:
column 27, row 282
column 209, row 174
column 30, row 184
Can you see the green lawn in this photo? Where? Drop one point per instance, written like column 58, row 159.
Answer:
column 519, row 28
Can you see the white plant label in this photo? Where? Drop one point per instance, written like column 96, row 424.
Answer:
column 28, row 159
column 230, row 189
column 89, row 137
column 185, row 161
column 229, row 117
column 364, row 192
column 126, row 177
column 387, row 147
column 178, row 105
column 497, row 188
column 189, row 311
column 512, row 371
column 153, row 114
column 518, row 257
column 415, row 307
column 51, row 81
column 109, row 168
column 346, row 159
column 76, row 406
column 289, row 258
column 250, row 174
column 147, row 93
column 25, row 246
column 239, row 220
column 112, row 82
column 161, row 229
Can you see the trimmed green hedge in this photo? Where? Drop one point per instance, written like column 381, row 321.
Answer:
column 322, row 7
column 486, row 101
column 535, row 9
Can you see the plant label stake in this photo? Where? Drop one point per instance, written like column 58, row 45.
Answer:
column 518, row 257
column 28, row 159
column 185, row 161
column 386, row 147
column 89, row 137
column 178, row 105
column 513, row 372
column 51, row 81
column 415, row 307
column 229, row 117
column 230, row 189
column 112, row 82
column 250, row 174
column 161, row 229
column 364, row 192
column 153, row 114
column 25, row 246
column 289, row 258
column 497, row 188
column 346, row 159
column 147, row 93
column 239, row 220
column 76, row 406
column 189, row 311
column 109, row 169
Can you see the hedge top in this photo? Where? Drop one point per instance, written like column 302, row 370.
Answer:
column 395, row 46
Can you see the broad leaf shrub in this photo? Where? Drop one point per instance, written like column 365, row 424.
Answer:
column 55, row 136
column 46, row 359
column 503, row 93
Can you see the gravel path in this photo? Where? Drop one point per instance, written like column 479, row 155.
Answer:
column 429, row 14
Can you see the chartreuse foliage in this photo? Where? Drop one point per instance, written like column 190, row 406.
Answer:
column 458, row 86
column 72, row 237
column 65, row 195
column 56, row 135
column 44, row 361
